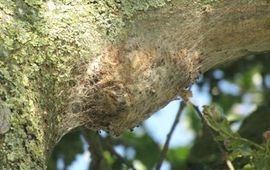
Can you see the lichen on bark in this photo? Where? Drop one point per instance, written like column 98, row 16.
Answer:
column 38, row 61
column 44, row 46
column 106, row 64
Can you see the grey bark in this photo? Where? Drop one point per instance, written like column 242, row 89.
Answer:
column 109, row 64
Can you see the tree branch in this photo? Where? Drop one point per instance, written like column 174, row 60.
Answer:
column 166, row 145
column 96, row 148
column 211, row 132
column 123, row 160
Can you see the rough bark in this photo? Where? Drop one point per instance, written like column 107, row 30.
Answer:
column 108, row 64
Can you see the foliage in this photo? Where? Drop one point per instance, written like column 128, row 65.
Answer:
column 236, row 146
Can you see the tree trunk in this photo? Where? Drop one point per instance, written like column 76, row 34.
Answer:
column 108, row 64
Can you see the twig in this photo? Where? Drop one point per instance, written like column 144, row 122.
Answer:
column 237, row 138
column 211, row 132
column 97, row 146
column 96, row 149
column 230, row 165
column 118, row 156
column 169, row 135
